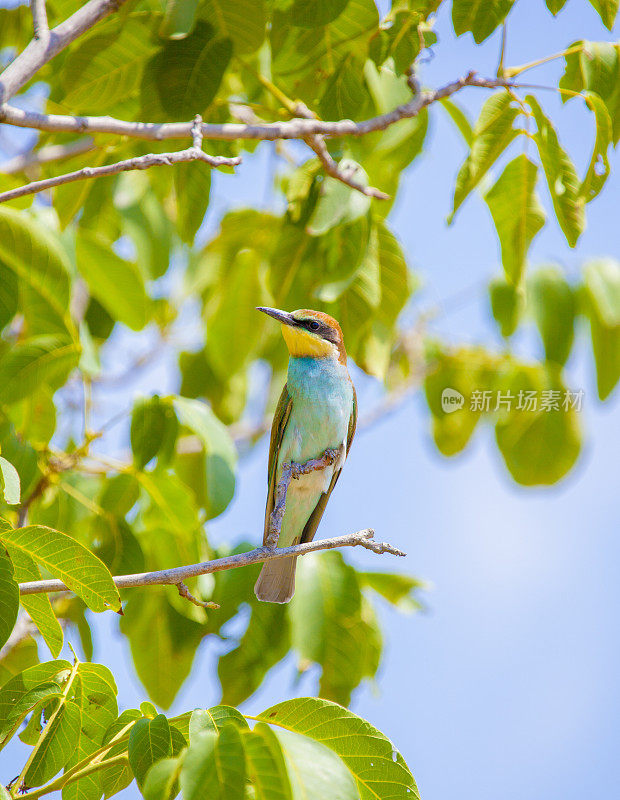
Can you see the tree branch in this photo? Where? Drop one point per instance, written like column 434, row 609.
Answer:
column 52, row 152
column 140, row 162
column 174, row 576
column 39, row 20
column 229, row 131
column 44, row 47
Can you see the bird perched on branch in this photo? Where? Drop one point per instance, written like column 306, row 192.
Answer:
column 315, row 418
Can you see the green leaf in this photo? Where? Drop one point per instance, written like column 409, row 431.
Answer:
column 266, row 766
column 328, row 626
column 65, row 558
column 607, row 10
column 399, row 590
column 16, row 700
column 116, row 777
column 163, row 643
column 119, row 494
column 230, row 763
column 555, row 6
column 149, row 741
column 244, row 22
column 214, row 719
column 595, row 67
column 35, row 361
column 553, row 306
column 540, row 445
column 9, row 597
column 602, row 282
column 154, row 429
column 598, row 169
column 21, row 454
column 97, row 700
column 234, row 330
column 192, row 184
column 517, row 214
column 313, row 13
column 23, row 655
column 460, row 119
column 220, row 453
column 10, row 482
column 457, row 374
column 9, row 295
column 184, row 76
column 179, row 19
column 378, row 768
column 507, row 304
column 561, row 176
column 42, row 269
column 162, row 780
column 304, row 58
column 479, row 18
column 492, row 134
column 602, row 279
column 117, row 284
column 106, row 69
column 38, row 606
column 315, row 771
column 199, row 777
column 265, row 642
column 59, row 739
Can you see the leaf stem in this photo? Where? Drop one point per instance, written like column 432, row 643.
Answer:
column 512, row 72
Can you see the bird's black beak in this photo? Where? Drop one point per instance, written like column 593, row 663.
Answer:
column 282, row 316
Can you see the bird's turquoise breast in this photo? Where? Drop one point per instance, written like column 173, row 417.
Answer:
column 322, row 396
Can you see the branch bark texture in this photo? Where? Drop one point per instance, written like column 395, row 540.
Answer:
column 176, row 575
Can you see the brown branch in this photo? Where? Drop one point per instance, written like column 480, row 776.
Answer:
column 44, row 47
column 229, row 131
column 139, row 162
column 185, row 592
column 174, row 576
column 53, row 152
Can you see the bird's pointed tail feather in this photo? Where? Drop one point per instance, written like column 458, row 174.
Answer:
column 276, row 582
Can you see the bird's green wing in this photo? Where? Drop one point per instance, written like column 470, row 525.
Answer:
column 278, row 426
column 315, row 517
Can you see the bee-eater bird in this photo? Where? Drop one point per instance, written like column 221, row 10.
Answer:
column 316, row 412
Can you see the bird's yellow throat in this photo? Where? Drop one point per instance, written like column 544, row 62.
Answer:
column 302, row 344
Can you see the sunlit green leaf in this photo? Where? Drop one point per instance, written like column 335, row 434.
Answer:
column 598, row 169
column 540, row 444
column 479, row 18
column 38, row 606
column 36, row 361
column 9, row 597
column 552, row 303
column 607, row 10
column 199, row 777
column 561, row 176
column 67, row 559
column 60, row 738
column 517, row 214
column 507, row 303
column 10, row 482
column 154, row 428
column 41, row 266
column 602, row 281
column 162, row 780
column 266, row 766
column 378, row 768
column 399, row 590
column 117, row 284
column 243, row 22
column 149, row 741
column 493, row 132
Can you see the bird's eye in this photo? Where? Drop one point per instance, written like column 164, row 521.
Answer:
column 314, row 325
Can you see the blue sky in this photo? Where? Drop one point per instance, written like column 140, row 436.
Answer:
column 507, row 688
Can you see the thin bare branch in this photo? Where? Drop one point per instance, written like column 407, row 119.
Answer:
column 42, row 50
column 185, row 592
column 39, row 20
column 53, row 152
column 140, row 162
column 265, row 131
column 174, row 576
